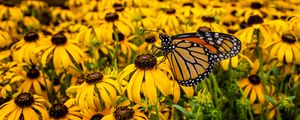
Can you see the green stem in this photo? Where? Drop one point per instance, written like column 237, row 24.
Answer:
column 116, row 50
column 259, row 54
column 250, row 113
column 98, row 95
column 46, row 86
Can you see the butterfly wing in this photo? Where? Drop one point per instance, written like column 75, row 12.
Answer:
column 222, row 45
column 190, row 62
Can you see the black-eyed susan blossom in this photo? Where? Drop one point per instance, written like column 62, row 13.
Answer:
column 209, row 22
column 286, row 49
column 67, row 111
column 25, row 106
column 114, row 23
column 63, row 14
column 34, row 81
column 98, row 90
column 151, row 41
column 252, row 85
column 61, row 51
column 169, row 21
column 23, row 50
column 126, row 113
column 148, row 78
column 10, row 12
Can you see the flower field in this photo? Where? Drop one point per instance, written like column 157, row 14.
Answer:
column 150, row 59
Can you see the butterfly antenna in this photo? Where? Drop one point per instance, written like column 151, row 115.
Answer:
column 161, row 61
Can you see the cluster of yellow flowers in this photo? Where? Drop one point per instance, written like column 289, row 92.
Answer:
column 97, row 59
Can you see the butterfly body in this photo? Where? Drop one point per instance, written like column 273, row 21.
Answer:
column 192, row 55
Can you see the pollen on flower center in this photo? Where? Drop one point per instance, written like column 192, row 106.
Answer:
column 288, row 38
column 121, row 36
column 118, row 7
column 150, row 39
column 170, row 11
column 97, row 117
column 123, row 113
column 33, row 73
column 110, row 17
column 208, row 19
column 254, row 79
column 256, row 5
column 58, row 110
column 24, row 100
column 204, row 29
column 94, row 78
column 59, row 39
column 188, row 4
column 31, row 37
column 145, row 61
column 255, row 19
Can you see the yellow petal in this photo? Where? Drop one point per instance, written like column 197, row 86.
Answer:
column 43, row 112
column 46, row 55
column 176, row 91
column 37, row 87
column 296, row 52
column 162, row 82
column 137, row 86
column 281, row 52
column 259, row 92
column 151, row 90
column 225, row 64
column 244, row 82
column 252, row 95
column 247, row 90
column 89, row 98
column 289, row 54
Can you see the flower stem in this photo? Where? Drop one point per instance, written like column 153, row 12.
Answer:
column 46, row 86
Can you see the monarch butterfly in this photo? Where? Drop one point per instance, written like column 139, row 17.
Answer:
column 192, row 55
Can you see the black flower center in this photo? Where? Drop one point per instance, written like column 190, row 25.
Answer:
column 58, row 110
column 255, row 19
column 94, row 78
column 288, row 38
column 123, row 113
column 150, row 39
column 97, row 117
column 31, row 37
column 208, row 19
column 188, row 4
column 145, row 61
column 33, row 73
column 24, row 100
column 170, row 11
column 121, row 36
column 256, row 5
column 233, row 13
column 59, row 39
column 243, row 25
column 118, row 7
column 254, row 79
column 110, row 17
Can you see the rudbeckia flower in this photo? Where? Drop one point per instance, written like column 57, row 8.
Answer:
column 190, row 10
column 294, row 25
column 67, row 111
column 62, row 14
column 210, row 22
column 253, row 86
column 169, row 21
column 9, row 26
column 33, row 81
column 61, row 50
column 5, row 39
column 113, row 24
column 254, row 7
column 25, row 106
column 96, row 90
column 126, row 113
column 10, row 12
column 148, row 78
column 22, row 51
column 126, row 46
column 8, row 77
column 151, row 41
column 33, row 5
column 256, row 26
column 286, row 49
column 177, row 89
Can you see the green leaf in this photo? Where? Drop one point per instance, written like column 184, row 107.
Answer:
column 270, row 100
column 182, row 109
column 102, row 61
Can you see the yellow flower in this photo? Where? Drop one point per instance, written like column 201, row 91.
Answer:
column 67, row 111
column 4, row 54
column 204, row 97
column 151, row 41
column 126, row 113
column 114, row 23
column 96, row 90
column 169, row 21
column 294, row 25
column 254, row 7
column 62, row 14
column 147, row 78
column 92, row 114
column 22, row 51
column 126, row 46
column 5, row 39
column 190, row 10
column 61, row 50
column 256, row 26
column 33, row 81
column 286, row 49
column 9, row 77
column 9, row 11
column 209, row 22
column 25, row 106
column 30, row 5
column 176, row 90
column 10, row 27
